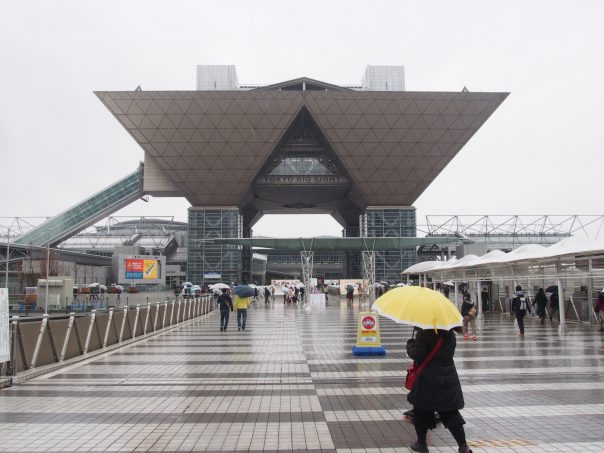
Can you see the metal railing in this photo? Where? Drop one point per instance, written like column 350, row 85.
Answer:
column 45, row 341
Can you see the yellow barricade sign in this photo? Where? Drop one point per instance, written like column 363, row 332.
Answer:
column 368, row 335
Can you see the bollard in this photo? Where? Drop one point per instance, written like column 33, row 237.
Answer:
column 172, row 313
column 163, row 322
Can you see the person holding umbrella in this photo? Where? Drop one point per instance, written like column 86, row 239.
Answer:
column 226, row 306
column 554, row 304
column 433, row 380
column 541, row 302
column 242, row 301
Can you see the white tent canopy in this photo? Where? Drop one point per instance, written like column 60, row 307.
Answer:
column 529, row 252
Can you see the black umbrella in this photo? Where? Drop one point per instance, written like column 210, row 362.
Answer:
column 552, row 289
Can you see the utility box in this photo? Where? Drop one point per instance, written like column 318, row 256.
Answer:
column 60, row 292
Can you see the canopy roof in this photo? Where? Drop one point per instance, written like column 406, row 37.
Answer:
column 571, row 246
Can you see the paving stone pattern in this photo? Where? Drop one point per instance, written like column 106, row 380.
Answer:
column 290, row 383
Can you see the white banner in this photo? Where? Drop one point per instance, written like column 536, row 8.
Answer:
column 4, row 327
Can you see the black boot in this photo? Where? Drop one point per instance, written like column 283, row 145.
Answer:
column 422, row 448
column 464, row 449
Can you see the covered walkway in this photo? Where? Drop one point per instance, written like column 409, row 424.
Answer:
column 290, row 382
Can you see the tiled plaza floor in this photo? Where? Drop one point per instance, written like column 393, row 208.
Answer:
column 290, row 383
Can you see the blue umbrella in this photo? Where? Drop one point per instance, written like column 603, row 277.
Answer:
column 244, row 291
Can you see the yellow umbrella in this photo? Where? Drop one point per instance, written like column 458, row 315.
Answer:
column 421, row 307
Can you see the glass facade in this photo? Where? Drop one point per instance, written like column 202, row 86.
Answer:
column 87, row 212
column 209, row 264
column 390, row 222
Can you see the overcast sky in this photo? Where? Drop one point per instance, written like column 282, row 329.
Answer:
column 540, row 153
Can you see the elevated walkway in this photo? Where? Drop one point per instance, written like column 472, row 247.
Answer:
column 89, row 211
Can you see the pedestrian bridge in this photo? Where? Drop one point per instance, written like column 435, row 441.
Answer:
column 290, row 383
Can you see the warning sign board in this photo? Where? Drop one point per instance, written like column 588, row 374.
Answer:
column 368, row 330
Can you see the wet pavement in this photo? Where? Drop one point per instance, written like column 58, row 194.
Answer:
column 290, row 383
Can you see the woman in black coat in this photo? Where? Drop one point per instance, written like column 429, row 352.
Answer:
column 436, row 389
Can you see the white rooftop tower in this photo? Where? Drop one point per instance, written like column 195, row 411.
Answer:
column 384, row 78
column 217, row 77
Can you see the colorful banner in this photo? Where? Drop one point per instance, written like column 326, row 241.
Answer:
column 368, row 330
column 135, row 268
column 141, row 269
column 151, row 269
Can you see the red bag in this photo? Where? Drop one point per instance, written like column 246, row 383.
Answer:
column 413, row 371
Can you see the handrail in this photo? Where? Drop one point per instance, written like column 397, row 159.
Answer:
column 33, row 342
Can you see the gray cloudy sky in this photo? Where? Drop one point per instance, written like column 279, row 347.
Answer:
column 540, row 153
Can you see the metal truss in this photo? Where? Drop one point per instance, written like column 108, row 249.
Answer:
column 513, row 230
column 307, row 265
column 13, row 227
column 113, row 231
column 156, row 232
column 368, row 258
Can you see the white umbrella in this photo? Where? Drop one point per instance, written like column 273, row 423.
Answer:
column 251, row 285
column 300, row 285
column 103, row 287
column 400, row 284
column 219, row 286
column 187, row 284
column 195, row 288
column 93, row 285
column 449, row 283
column 120, row 287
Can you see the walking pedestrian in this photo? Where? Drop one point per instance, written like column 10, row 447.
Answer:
column 599, row 309
column 484, row 298
column 541, row 302
column 226, row 307
column 267, row 295
column 437, row 388
column 350, row 294
column 273, row 293
column 554, row 305
column 241, row 304
column 520, row 305
column 468, row 311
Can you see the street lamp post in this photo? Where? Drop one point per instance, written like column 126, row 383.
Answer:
column 47, row 269
column 7, row 258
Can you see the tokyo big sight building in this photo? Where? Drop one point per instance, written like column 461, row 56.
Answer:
column 362, row 154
